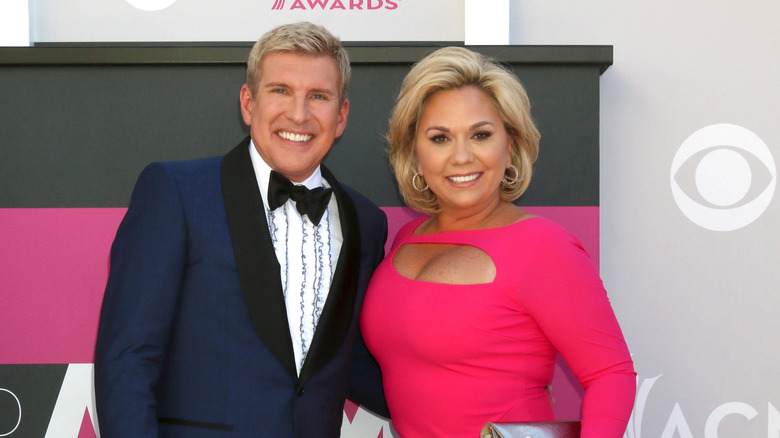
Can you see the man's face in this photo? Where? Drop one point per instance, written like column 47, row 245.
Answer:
column 294, row 116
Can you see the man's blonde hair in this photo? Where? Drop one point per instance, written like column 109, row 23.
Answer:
column 302, row 38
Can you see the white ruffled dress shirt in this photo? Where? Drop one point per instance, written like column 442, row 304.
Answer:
column 307, row 256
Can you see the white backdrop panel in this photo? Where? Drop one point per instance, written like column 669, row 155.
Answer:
column 698, row 307
column 242, row 20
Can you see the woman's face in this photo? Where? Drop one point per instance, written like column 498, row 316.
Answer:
column 462, row 150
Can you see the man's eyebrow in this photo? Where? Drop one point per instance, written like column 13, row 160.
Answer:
column 276, row 84
column 327, row 91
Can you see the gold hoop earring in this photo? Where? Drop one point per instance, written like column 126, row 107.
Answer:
column 414, row 182
column 513, row 181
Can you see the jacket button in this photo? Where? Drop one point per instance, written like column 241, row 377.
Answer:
column 300, row 392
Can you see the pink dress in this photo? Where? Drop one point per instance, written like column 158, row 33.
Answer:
column 454, row 357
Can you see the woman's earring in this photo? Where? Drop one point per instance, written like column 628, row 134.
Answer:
column 511, row 182
column 414, row 182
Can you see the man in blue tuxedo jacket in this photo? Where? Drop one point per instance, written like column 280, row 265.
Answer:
column 232, row 301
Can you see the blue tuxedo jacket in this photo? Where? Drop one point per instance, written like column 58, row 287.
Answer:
column 193, row 338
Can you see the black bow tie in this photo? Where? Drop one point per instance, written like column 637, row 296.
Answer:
column 309, row 202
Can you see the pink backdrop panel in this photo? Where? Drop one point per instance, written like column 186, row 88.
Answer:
column 53, row 269
column 54, row 266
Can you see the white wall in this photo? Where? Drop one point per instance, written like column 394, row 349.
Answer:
column 698, row 307
column 14, row 23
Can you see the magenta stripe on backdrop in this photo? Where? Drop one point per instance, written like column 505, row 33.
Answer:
column 53, row 269
column 54, row 266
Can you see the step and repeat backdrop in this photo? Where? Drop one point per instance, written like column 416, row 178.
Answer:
column 86, row 109
column 663, row 164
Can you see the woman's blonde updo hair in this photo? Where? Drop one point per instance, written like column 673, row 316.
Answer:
column 453, row 68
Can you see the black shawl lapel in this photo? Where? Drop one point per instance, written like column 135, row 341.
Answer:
column 258, row 269
column 336, row 316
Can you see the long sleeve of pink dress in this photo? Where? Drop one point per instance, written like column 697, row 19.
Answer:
column 454, row 356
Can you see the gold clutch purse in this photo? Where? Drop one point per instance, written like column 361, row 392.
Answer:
column 532, row 429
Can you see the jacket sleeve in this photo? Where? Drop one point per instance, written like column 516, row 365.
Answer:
column 148, row 258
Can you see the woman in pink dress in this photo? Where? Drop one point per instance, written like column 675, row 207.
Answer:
column 469, row 310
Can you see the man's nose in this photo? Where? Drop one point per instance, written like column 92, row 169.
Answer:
column 298, row 111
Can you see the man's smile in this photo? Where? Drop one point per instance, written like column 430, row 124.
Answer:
column 294, row 137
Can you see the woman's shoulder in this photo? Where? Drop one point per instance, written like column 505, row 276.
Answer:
column 544, row 234
column 407, row 230
column 411, row 226
column 537, row 226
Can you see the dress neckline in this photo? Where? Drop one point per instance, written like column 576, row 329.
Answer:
column 444, row 233
column 445, row 237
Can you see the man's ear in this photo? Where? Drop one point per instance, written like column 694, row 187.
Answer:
column 343, row 113
column 245, row 99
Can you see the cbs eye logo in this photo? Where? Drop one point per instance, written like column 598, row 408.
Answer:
column 151, row 5
column 723, row 177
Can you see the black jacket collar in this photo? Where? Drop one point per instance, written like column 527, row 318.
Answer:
column 258, row 268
